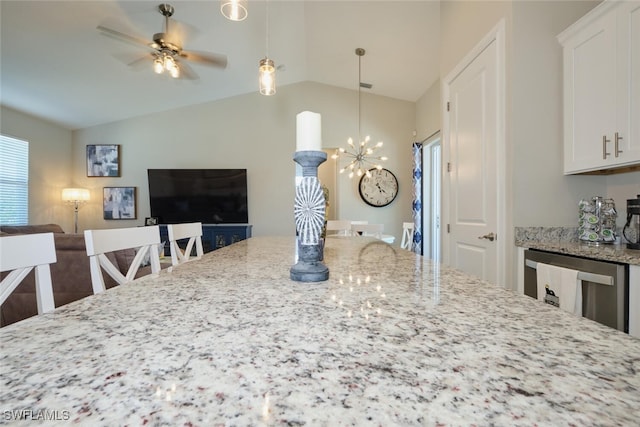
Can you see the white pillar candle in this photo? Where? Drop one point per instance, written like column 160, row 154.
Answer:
column 308, row 132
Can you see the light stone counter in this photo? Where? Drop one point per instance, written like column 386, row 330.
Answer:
column 389, row 339
column 563, row 240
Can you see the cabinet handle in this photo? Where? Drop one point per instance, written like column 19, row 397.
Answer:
column 604, row 146
column 618, row 138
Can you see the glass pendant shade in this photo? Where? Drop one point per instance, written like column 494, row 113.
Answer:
column 234, row 10
column 158, row 66
column 169, row 63
column 175, row 72
column 267, row 77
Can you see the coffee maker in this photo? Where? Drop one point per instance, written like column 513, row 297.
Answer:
column 631, row 230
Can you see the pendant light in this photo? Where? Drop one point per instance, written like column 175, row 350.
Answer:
column 266, row 69
column 234, row 10
column 361, row 155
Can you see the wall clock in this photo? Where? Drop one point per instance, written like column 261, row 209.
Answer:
column 380, row 189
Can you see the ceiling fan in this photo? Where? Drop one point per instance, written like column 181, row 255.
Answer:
column 166, row 51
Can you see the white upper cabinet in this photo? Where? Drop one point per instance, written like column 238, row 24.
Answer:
column 601, row 55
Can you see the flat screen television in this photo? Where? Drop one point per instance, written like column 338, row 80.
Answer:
column 210, row 196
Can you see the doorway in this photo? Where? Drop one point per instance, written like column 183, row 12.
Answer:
column 431, row 190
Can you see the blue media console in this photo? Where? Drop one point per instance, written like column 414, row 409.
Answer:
column 215, row 236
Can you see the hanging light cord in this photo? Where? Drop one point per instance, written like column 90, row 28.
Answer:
column 359, row 95
column 267, row 26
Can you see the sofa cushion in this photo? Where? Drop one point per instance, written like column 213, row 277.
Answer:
column 31, row 229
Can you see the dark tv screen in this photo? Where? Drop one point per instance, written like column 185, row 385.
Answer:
column 210, row 196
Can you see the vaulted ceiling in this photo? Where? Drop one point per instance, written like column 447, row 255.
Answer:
column 54, row 64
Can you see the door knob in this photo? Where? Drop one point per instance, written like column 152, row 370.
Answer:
column 490, row 237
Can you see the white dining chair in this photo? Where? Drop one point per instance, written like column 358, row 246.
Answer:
column 191, row 231
column 407, row 236
column 339, row 227
column 367, row 230
column 20, row 255
column 101, row 242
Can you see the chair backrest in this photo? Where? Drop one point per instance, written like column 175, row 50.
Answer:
column 191, row 231
column 100, row 242
column 341, row 227
column 368, row 230
column 22, row 253
column 407, row 236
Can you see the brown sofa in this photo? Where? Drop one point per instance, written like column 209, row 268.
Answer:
column 70, row 275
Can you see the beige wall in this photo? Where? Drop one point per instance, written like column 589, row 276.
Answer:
column 542, row 195
column 428, row 112
column 256, row 133
column 49, row 165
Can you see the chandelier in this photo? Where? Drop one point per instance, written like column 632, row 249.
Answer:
column 362, row 155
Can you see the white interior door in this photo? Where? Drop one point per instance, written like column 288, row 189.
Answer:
column 473, row 165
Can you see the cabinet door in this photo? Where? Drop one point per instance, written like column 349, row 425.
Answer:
column 590, row 63
column 628, row 125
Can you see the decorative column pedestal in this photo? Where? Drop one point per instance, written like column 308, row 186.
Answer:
column 309, row 210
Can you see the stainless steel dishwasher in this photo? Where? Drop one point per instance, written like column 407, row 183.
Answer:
column 605, row 285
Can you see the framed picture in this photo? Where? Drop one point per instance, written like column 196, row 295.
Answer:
column 119, row 202
column 103, row 160
column 151, row 220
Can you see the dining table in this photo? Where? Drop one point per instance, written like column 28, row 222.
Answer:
column 390, row 339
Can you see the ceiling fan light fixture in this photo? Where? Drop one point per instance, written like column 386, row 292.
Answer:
column 166, row 51
column 234, row 10
column 267, row 77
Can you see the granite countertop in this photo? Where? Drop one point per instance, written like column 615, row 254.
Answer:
column 389, row 339
column 563, row 240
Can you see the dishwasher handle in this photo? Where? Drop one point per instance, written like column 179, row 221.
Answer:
column 587, row 277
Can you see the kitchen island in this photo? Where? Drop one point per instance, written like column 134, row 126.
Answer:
column 389, row 339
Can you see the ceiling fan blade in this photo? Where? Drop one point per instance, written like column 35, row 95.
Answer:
column 178, row 32
column 205, row 58
column 186, row 72
column 135, row 61
column 140, row 63
column 138, row 41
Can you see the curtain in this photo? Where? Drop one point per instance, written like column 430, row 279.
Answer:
column 417, row 198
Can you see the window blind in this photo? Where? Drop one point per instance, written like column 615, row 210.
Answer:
column 14, row 181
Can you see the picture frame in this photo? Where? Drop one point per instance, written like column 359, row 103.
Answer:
column 119, row 203
column 151, row 220
column 103, row 160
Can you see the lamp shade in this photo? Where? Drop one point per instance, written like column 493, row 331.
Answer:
column 75, row 194
column 234, row 10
